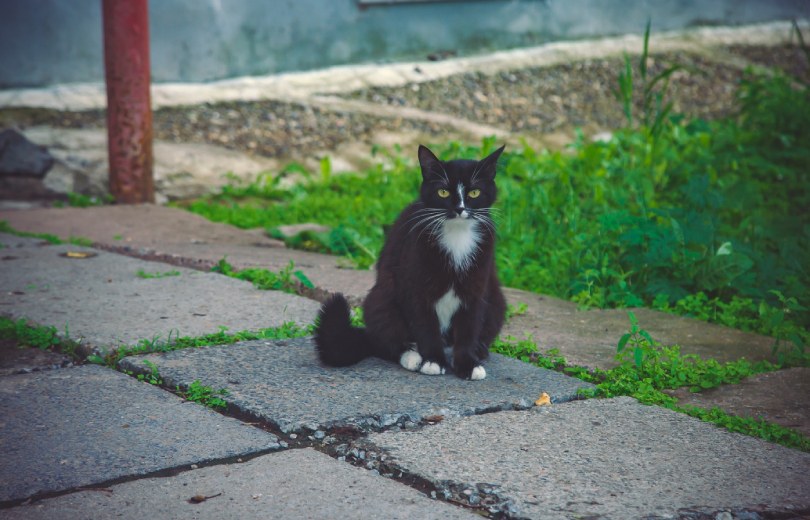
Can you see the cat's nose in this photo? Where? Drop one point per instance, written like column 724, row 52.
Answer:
column 461, row 211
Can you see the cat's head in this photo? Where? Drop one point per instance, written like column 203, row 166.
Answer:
column 463, row 188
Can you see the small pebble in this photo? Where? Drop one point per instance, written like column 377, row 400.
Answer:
column 193, row 466
column 283, row 444
column 293, row 436
column 319, row 434
column 432, row 494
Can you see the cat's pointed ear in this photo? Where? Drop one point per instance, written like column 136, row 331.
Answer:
column 431, row 166
column 488, row 165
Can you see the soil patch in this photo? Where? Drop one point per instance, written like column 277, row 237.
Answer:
column 16, row 360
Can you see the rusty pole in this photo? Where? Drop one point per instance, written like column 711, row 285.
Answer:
column 129, row 112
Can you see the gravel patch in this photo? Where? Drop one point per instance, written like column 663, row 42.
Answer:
column 789, row 58
column 552, row 99
column 267, row 128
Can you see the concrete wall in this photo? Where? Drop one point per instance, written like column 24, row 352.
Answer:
column 44, row 42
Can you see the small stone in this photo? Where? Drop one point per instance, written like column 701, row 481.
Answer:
column 475, row 498
column 283, row 444
column 193, row 466
column 356, row 453
column 748, row 515
column 362, row 455
column 293, row 436
column 725, row 515
column 342, row 458
column 319, row 434
column 432, row 494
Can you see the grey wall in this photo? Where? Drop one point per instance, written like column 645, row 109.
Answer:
column 43, row 42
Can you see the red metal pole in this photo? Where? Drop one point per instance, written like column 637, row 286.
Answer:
column 129, row 112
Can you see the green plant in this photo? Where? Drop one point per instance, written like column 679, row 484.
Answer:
column 53, row 239
column 152, row 377
column 512, row 311
column 35, row 336
column 203, row 395
column 646, row 369
column 650, row 98
column 77, row 200
column 158, row 274
column 264, row 279
column 112, row 356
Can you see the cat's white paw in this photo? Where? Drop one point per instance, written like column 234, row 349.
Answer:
column 432, row 369
column 478, row 373
column 410, row 360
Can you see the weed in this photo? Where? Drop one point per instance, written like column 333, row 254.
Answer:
column 203, row 395
column 53, row 239
column 511, row 311
column 646, row 369
column 152, row 377
column 112, row 356
column 77, row 200
column 264, row 279
column 158, row 274
column 34, row 336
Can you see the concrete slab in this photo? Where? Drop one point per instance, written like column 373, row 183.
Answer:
column 103, row 300
column 781, row 397
column 611, row 459
column 589, row 338
column 292, row 484
column 70, row 428
column 283, row 383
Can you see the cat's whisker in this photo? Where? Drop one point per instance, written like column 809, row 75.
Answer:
column 433, row 223
column 425, row 221
column 421, row 212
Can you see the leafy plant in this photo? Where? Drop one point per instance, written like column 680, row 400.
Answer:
column 77, row 200
column 264, row 279
column 53, row 239
column 158, row 274
column 647, row 368
column 113, row 355
column 152, row 377
column 35, row 336
column 512, row 311
column 204, row 395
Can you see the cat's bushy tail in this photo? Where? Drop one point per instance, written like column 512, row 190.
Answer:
column 337, row 342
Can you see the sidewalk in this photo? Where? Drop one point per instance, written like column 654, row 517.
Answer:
column 377, row 439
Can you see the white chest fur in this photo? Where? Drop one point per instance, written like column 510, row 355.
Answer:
column 459, row 238
column 446, row 307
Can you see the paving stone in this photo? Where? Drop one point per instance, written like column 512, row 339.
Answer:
column 292, row 484
column 82, row 426
column 589, row 338
column 781, row 397
column 611, row 459
column 102, row 300
column 283, row 383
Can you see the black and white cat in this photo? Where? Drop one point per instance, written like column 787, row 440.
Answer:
column 436, row 280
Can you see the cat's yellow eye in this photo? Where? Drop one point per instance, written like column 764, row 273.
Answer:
column 444, row 194
column 474, row 193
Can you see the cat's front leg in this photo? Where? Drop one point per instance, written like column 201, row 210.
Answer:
column 429, row 344
column 468, row 352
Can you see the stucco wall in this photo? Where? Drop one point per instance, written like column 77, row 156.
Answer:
column 44, row 42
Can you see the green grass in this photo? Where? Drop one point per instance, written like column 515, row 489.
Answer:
column 699, row 218
column 159, row 344
column 53, row 239
column 157, row 274
column 264, row 279
column 646, row 369
column 34, row 336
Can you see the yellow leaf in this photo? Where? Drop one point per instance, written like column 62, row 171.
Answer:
column 71, row 254
column 543, row 399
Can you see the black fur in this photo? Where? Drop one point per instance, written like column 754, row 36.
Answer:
column 414, row 271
